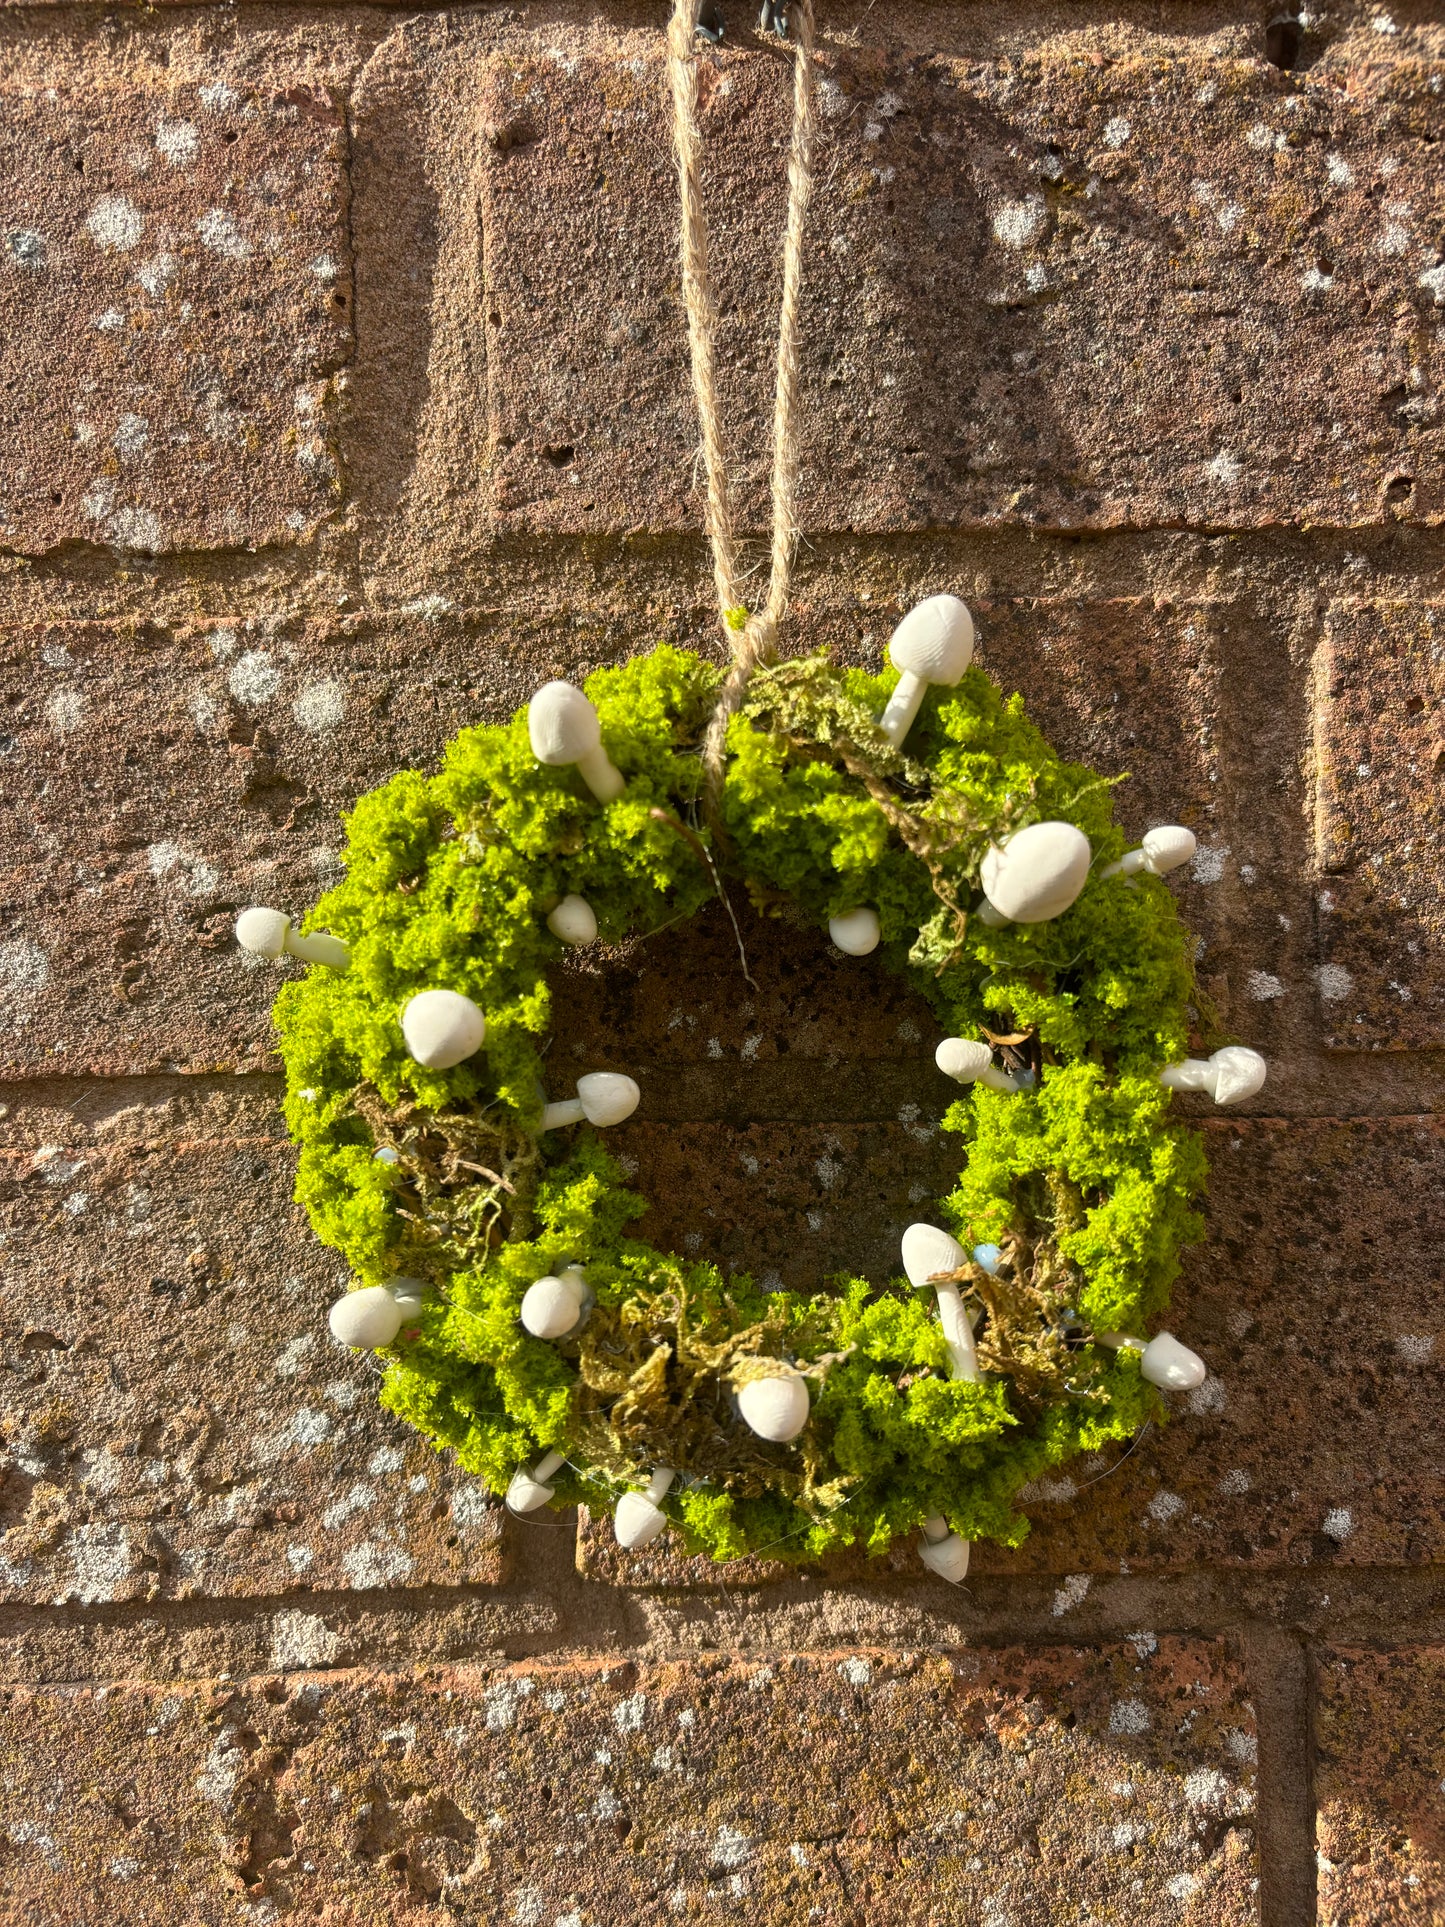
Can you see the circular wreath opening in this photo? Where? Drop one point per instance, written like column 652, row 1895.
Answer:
column 446, row 1196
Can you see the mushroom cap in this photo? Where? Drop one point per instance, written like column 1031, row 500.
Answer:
column 856, row 932
column 573, row 921
column 963, row 1058
column 1037, row 873
column 442, row 1028
column 1164, row 1361
column 947, row 1557
column 607, row 1097
column 552, row 1307
column 407, row 1295
column 1239, row 1073
column 525, row 1493
column 263, row 932
column 927, row 1250
column 562, row 724
column 934, row 640
column 637, row 1521
column 1168, row 846
column 775, row 1408
column 368, row 1318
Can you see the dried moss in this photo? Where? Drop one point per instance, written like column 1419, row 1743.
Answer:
column 1082, row 1181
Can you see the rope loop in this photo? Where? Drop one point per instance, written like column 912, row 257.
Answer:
column 752, row 635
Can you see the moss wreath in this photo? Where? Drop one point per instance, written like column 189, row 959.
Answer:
column 450, row 1201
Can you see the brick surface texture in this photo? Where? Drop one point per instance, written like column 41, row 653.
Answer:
column 345, row 398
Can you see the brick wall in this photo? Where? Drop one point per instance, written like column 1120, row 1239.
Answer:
column 345, row 399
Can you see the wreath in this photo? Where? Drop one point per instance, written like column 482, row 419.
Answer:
column 916, row 813
column 563, row 1359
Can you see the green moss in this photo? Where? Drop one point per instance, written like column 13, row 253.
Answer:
column 448, row 882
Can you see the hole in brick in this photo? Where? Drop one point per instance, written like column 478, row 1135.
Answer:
column 1282, row 39
column 1415, row 705
column 44, row 1342
column 56, row 497
column 1399, row 489
column 233, row 135
column 559, row 456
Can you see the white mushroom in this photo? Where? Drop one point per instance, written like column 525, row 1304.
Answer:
column 1162, row 850
column 1035, row 874
column 932, row 644
column 552, row 1307
column 271, row 933
column 1162, row 1359
column 970, row 1062
column 856, row 932
column 371, row 1318
column 564, row 728
column 943, row 1551
column 573, row 921
column 442, row 1028
column 603, row 1098
column 1229, row 1076
column 927, row 1251
column 529, row 1490
column 639, row 1516
column 775, row 1408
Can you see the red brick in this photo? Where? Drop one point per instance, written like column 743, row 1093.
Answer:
column 1378, row 1780
column 1013, row 1785
column 177, row 1420
column 1380, row 792
column 1045, row 289
column 175, row 303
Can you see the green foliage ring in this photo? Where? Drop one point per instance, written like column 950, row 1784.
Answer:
column 1081, row 1180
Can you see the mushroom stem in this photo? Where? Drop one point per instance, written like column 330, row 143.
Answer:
column 902, row 707
column 942, row 1551
column 639, row 1517
column 529, row 1490
column 567, row 1110
column 601, row 774
column 957, row 1332
column 319, row 947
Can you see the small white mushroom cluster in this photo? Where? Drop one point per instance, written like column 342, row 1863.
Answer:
column 272, row 934
column 371, row 1318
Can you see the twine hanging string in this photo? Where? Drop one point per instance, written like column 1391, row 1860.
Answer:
column 752, row 635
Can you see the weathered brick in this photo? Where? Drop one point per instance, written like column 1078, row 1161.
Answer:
column 178, row 1421
column 157, row 783
column 174, row 307
column 1049, row 289
column 1380, row 791
column 1011, row 1784
column 1315, row 1438
column 1379, row 1779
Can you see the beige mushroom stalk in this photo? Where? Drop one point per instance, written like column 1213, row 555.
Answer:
column 932, row 645
column 442, row 1028
column 1034, row 875
column 530, row 1490
column 1162, row 1359
column 639, row 1517
column 603, row 1098
column 565, row 728
column 928, row 1255
column 1162, row 850
column 1229, row 1076
column 272, row 934
column 943, row 1551
column 553, row 1307
column 371, row 1318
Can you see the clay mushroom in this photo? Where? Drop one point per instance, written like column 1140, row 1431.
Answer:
column 565, row 728
column 553, row 1307
column 970, row 1062
column 777, row 1407
column 603, row 1098
column 932, row 644
column 943, row 1551
column 573, row 921
column 927, row 1252
column 272, row 934
column 529, row 1490
column 1229, row 1076
column 371, row 1318
column 442, row 1028
column 1162, row 1359
column 1035, row 874
column 639, row 1517
column 856, row 932
column 1162, row 850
